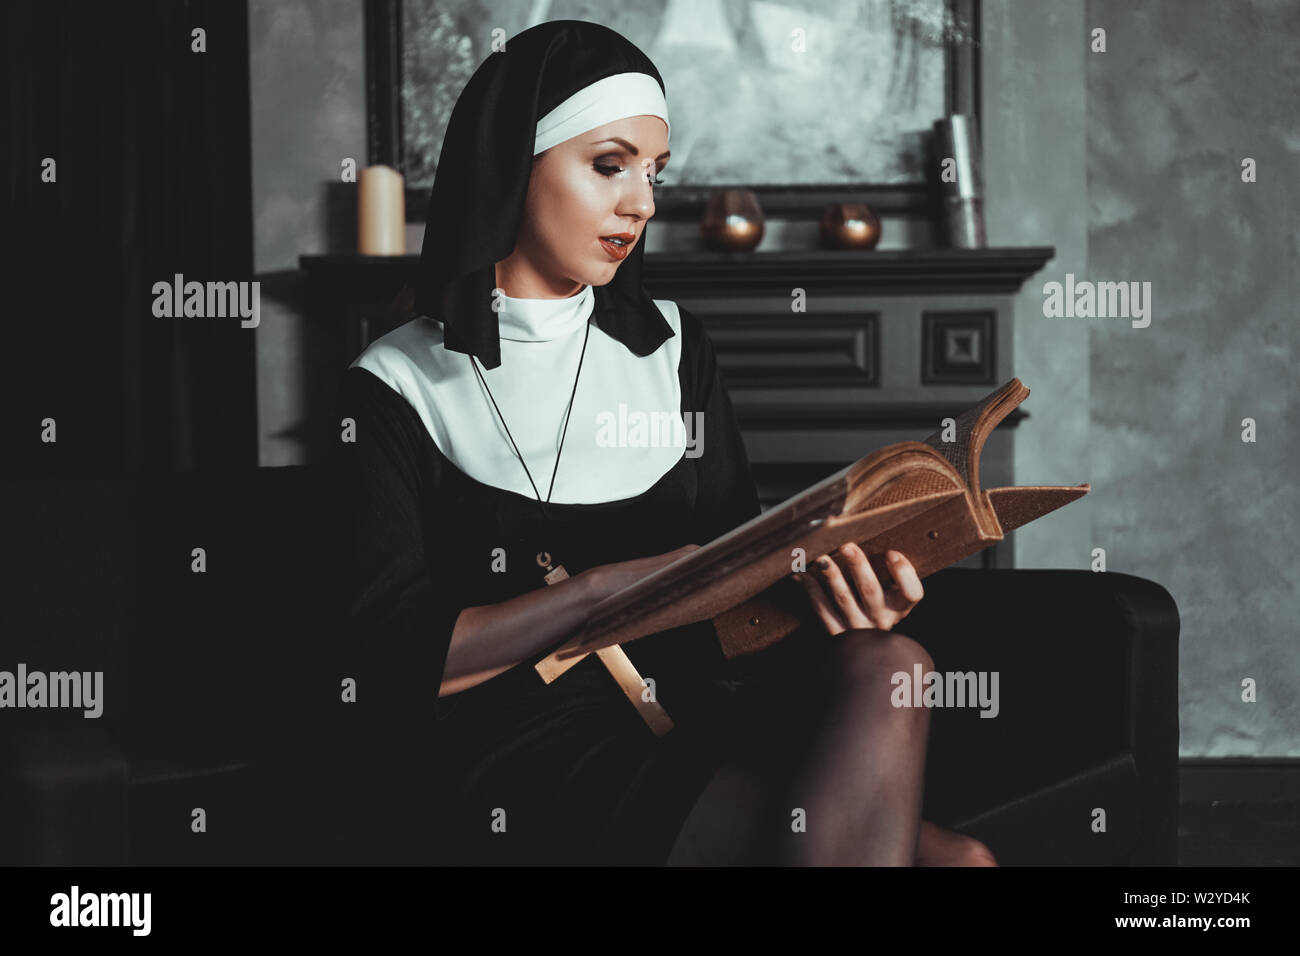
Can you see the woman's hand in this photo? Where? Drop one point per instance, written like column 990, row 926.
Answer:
column 860, row 600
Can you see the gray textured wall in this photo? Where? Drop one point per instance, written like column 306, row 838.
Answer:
column 1034, row 117
column 307, row 73
column 1128, row 163
column 1184, row 92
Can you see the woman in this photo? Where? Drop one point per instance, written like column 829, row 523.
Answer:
column 533, row 333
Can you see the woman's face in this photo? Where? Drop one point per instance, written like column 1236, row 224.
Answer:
column 588, row 187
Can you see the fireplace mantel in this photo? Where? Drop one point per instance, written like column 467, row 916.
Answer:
column 891, row 272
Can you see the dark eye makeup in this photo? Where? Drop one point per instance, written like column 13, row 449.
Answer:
column 607, row 170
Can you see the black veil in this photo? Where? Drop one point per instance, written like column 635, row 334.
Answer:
column 482, row 179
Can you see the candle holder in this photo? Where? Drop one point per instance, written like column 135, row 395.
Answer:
column 850, row 225
column 956, row 139
column 732, row 220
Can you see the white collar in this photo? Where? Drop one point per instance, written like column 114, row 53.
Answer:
column 620, row 396
column 541, row 320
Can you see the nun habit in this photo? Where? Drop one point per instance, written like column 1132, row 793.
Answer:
column 440, row 515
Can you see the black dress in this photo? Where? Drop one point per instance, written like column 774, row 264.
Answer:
column 515, row 770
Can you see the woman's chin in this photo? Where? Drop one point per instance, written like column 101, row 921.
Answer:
column 602, row 275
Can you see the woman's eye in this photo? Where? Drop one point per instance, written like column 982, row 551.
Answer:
column 611, row 170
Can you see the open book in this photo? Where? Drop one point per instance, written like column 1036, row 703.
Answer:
column 920, row 498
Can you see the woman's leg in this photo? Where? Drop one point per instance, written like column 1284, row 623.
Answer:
column 831, row 772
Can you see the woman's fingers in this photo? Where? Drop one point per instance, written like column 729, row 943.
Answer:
column 909, row 591
column 874, row 599
column 821, row 604
column 854, row 613
column 860, row 600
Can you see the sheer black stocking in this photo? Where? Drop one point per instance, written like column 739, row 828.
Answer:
column 824, row 769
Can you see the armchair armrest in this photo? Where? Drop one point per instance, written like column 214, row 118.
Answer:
column 1088, row 674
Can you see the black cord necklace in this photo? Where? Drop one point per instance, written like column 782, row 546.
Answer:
column 557, row 573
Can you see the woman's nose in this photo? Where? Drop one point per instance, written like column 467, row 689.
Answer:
column 640, row 199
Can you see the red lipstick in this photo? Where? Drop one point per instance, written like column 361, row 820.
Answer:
column 616, row 250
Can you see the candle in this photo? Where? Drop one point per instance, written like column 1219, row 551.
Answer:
column 381, row 212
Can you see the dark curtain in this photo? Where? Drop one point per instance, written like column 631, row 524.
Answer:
column 152, row 145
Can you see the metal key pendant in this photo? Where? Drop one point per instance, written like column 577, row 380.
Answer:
column 553, row 575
